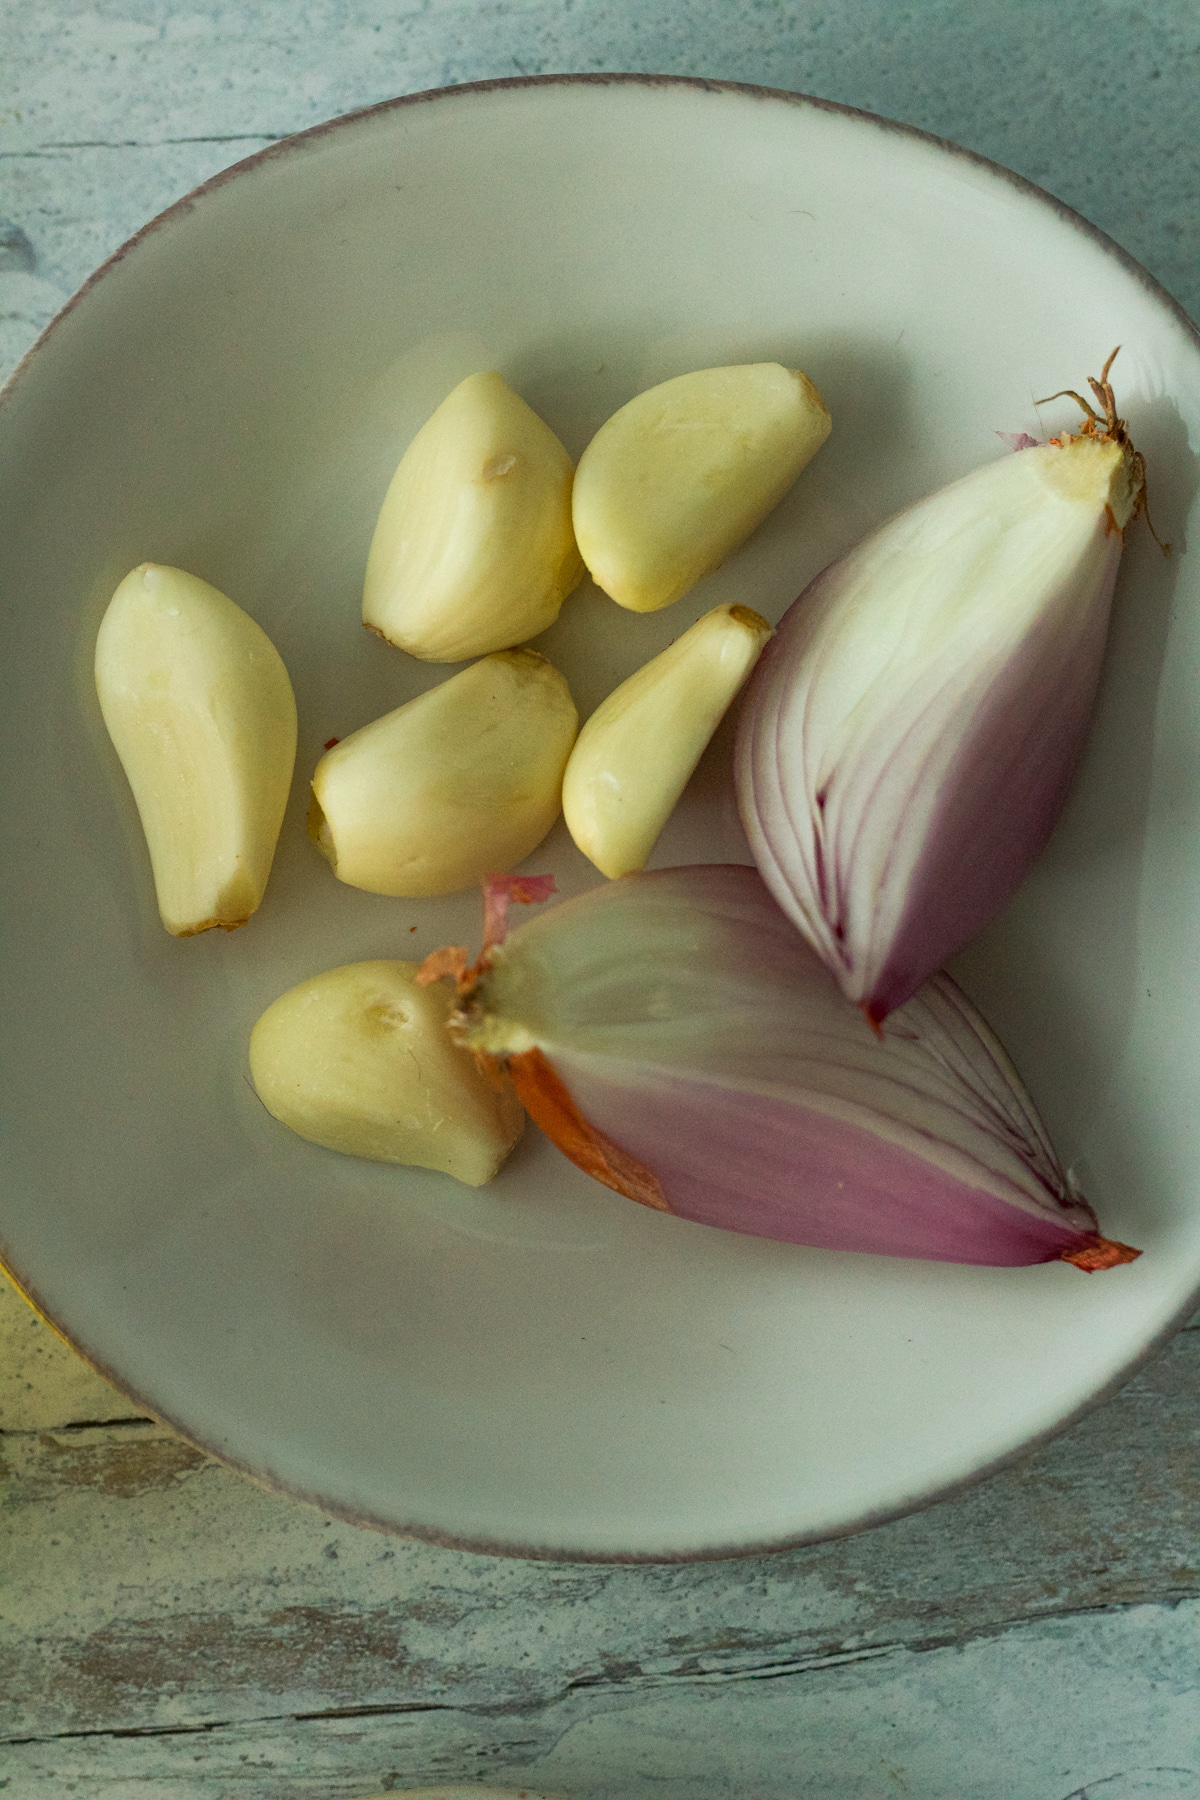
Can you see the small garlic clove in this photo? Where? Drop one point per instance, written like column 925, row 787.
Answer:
column 635, row 755
column 358, row 1059
column 680, row 476
column 461, row 781
column 474, row 549
column 201, row 712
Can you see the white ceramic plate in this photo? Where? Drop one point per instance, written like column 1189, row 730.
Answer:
column 541, row 1366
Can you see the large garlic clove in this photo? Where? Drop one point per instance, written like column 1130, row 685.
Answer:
column 681, row 1042
column 460, row 782
column 909, row 737
column 474, row 549
column 358, row 1059
column 635, row 755
column 680, row 476
column 200, row 709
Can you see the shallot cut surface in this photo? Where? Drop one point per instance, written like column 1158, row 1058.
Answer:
column 910, row 734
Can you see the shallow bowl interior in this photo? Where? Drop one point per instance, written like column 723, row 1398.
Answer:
column 541, row 1366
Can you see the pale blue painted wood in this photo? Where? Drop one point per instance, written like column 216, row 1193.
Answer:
column 107, row 114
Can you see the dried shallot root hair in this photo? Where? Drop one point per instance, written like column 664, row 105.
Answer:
column 1110, row 428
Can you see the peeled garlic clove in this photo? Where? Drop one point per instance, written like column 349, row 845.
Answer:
column 474, row 549
column 680, row 476
column 909, row 737
column 461, row 781
column 635, row 755
column 358, row 1059
column 201, row 712
column 681, row 1042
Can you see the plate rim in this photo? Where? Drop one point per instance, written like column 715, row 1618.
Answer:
column 297, row 140
column 482, row 1545
column 552, row 1553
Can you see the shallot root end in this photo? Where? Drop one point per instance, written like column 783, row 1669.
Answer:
column 1111, row 428
column 452, row 961
column 498, row 892
column 1100, row 1253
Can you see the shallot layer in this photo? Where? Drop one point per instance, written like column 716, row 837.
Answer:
column 682, row 1043
column 909, row 736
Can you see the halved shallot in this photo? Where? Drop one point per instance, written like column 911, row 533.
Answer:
column 678, row 1040
column 909, row 736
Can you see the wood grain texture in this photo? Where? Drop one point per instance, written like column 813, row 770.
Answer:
column 1077, row 1709
column 148, row 1589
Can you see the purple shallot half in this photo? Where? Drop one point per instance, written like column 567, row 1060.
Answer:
column 910, row 734
column 681, row 1042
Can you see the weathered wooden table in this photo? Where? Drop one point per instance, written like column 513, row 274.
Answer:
column 168, row 1630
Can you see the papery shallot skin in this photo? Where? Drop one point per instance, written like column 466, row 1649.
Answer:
column 910, row 734
column 681, row 1042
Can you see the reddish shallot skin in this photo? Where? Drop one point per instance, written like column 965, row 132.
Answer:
column 893, row 813
column 684, row 1045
